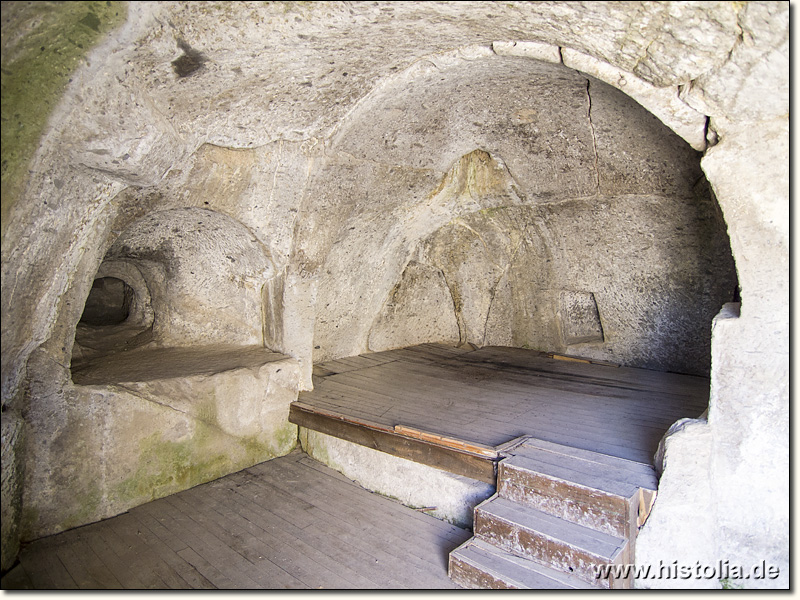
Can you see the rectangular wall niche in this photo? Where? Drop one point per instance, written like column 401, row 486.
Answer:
column 580, row 321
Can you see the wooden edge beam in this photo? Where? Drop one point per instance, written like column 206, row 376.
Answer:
column 511, row 444
column 450, row 442
column 587, row 361
column 453, row 460
column 338, row 416
column 647, row 499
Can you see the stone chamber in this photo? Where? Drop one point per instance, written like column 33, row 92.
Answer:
column 200, row 201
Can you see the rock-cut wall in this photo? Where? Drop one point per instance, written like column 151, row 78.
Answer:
column 324, row 179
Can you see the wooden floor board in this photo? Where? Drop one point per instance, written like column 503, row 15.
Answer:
column 338, row 499
column 288, row 552
column 288, row 523
column 234, row 549
column 131, row 547
column 492, row 395
column 79, row 569
column 97, row 540
column 45, row 569
column 210, row 572
column 154, row 522
column 509, row 384
column 327, row 507
column 566, row 374
column 172, row 569
column 215, row 550
column 389, row 532
column 201, row 555
column 312, row 543
column 485, row 423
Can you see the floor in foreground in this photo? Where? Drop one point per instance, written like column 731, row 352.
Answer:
column 287, row 523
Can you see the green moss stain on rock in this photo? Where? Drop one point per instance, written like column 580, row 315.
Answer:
column 88, row 505
column 43, row 44
column 165, row 467
column 258, row 449
column 162, row 464
column 285, row 439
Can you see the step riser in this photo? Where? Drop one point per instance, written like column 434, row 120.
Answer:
column 477, row 564
column 473, row 578
column 546, row 551
column 590, row 508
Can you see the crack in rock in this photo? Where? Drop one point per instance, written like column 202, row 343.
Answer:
column 594, row 136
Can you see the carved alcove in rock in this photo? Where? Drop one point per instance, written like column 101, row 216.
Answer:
column 108, row 302
column 522, row 204
column 173, row 385
column 528, row 205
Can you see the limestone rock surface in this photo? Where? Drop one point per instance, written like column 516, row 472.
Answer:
column 375, row 173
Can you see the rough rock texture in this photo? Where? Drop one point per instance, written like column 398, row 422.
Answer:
column 644, row 260
column 441, row 494
column 351, row 154
column 680, row 491
column 204, row 272
column 148, row 434
column 12, row 429
column 420, row 307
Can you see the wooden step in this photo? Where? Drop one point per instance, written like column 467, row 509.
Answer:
column 477, row 564
column 609, row 494
column 549, row 540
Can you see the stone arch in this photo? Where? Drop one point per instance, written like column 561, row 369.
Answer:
column 605, row 151
column 197, row 275
column 141, row 309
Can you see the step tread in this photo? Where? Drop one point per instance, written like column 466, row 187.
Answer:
column 585, row 468
column 604, row 546
column 518, row 572
column 553, row 466
column 606, row 459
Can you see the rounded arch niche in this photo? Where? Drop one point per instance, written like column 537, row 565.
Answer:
column 194, row 278
column 529, row 205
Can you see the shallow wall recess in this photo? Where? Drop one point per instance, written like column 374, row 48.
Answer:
column 172, row 383
column 580, row 321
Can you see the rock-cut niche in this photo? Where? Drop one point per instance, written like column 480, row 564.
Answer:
column 182, row 277
column 568, row 219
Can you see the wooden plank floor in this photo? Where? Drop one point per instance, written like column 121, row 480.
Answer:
column 494, row 394
column 287, row 523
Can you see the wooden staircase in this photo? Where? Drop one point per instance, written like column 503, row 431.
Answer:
column 558, row 512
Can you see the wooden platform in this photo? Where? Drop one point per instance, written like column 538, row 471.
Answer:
column 488, row 397
column 288, row 523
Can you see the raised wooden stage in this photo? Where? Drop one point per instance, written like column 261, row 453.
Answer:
column 459, row 408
